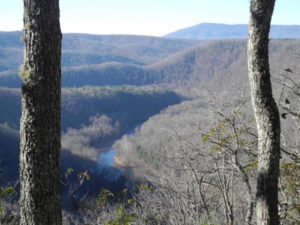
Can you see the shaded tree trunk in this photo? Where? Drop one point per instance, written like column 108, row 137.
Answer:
column 266, row 112
column 40, row 199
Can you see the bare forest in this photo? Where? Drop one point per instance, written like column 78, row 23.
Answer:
column 150, row 130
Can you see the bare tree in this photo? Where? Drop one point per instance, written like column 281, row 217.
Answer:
column 265, row 110
column 289, row 105
column 40, row 199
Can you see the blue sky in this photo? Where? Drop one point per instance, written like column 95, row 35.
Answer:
column 146, row 17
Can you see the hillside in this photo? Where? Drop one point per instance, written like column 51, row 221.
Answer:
column 9, row 151
column 205, row 31
column 135, row 49
column 92, row 119
column 118, row 97
column 212, row 62
column 126, row 104
column 82, row 49
column 141, row 60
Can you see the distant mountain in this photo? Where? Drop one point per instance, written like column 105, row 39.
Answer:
column 206, row 31
column 216, row 62
column 84, row 49
column 139, row 60
column 134, row 49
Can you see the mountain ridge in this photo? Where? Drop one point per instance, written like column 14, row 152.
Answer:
column 208, row 31
column 82, row 49
column 215, row 62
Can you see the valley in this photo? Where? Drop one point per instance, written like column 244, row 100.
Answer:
column 172, row 112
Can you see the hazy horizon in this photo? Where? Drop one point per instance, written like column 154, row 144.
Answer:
column 149, row 18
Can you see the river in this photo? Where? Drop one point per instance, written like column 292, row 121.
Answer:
column 106, row 161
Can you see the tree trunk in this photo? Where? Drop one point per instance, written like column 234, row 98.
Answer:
column 40, row 199
column 266, row 112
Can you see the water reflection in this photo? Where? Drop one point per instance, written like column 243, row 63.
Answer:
column 106, row 167
column 107, row 158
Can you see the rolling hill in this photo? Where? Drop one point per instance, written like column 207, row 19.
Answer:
column 126, row 60
column 94, row 116
column 141, row 60
column 216, row 62
column 123, row 103
column 83, row 49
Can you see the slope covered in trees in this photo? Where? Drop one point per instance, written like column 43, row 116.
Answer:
column 81, row 49
column 211, row 62
column 208, row 63
column 129, row 105
column 199, row 154
column 124, row 106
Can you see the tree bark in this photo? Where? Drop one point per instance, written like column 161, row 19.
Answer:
column 266, row 112
column 40, row 199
